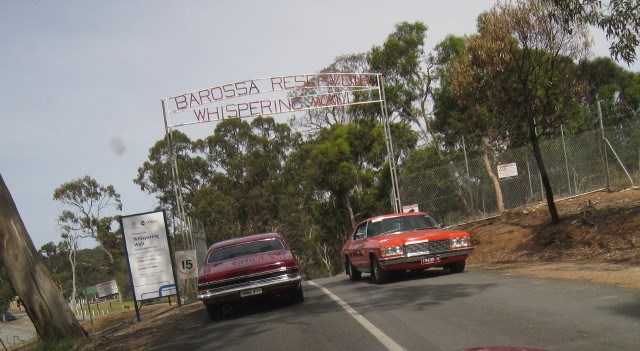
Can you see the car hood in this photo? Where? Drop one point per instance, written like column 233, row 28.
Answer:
column 417, row 235
column 241, row 266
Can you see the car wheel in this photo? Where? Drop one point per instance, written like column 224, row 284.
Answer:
column 214, row 311
column 353, row 274
column 296, row 296
column 456, row 267
column 379, row 275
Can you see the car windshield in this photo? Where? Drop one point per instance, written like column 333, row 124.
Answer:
column 250, row 248
column 400, row 223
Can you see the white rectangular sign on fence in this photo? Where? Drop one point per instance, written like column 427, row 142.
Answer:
column 148, row 253
column 507, row 171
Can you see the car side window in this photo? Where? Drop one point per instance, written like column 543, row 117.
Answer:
column 360, row 232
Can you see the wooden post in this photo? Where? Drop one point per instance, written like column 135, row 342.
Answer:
column 44, row 303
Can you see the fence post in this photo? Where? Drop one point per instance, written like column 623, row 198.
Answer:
column 530, row 181
column 566, row 162
column 466, row 163
column 604, row 147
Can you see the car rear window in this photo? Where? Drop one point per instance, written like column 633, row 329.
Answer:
column 250, row 248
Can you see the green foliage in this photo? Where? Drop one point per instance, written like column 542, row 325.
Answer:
column 86, row 201
column 617, row 89
column 244, row 193
column 410, row 75
column 619, row 19
column 154, row 176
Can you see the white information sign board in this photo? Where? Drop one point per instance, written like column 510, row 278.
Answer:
column 107, row 288
column 186, row 264
column 148, row 254
column 507, row 171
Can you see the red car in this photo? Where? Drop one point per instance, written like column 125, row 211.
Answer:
column 403, row 241
column 248, row 267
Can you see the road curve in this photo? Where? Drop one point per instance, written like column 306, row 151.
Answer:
column 433, row 310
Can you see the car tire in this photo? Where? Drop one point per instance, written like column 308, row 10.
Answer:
column 297, row 296
column 214, row 311
column 379, row 275
column 352, row 272
column 456, row 267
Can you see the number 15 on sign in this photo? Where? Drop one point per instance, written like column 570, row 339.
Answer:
column 187, row 265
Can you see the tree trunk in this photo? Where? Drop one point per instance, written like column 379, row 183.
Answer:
column 546, row 184
column 44, row 303
column 101, row 245
column 352, row 217
column 72, row 262
column 492, row 174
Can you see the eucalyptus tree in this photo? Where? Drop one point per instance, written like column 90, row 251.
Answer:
column 31, row 280
column 87, row 203
column 155, row 177
column 243, row 194
column 342, row 171
column 523, row 63
column 56, row 259
column 617, row 89
column 464, row 114
column 619, row 19
column 410, row 74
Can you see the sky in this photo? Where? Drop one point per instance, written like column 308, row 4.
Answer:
column 81, row 82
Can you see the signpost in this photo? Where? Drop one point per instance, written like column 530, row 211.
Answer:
column 148, row 254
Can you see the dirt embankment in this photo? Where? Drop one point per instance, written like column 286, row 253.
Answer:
column 598, row 239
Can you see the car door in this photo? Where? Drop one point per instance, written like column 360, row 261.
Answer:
column 357, row 255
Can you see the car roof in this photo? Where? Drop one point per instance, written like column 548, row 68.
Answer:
column 245, row 239
column 392, row 215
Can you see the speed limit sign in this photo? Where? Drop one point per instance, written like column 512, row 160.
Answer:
column 187, row 264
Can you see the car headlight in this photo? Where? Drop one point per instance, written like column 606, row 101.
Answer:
column 460, row 242
column 392, row 250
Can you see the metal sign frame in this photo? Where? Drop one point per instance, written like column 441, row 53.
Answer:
column 302, row 92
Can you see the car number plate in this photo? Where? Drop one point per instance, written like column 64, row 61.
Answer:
column 250, row 292
column 430, row 259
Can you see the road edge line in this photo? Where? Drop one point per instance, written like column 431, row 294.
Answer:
column 377, row 333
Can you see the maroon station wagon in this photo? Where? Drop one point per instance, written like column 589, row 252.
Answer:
column 248, row 267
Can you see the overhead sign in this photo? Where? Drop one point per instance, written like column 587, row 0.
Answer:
column 288, row 94
column 507, row 171
column 186, row 264
column 148, row 255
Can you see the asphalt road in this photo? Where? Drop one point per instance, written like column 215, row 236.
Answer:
column 433, row 310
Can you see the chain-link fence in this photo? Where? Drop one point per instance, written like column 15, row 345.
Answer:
column 464, row 191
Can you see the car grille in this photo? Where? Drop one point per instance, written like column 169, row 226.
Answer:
column 427, row 247
column 246, row 280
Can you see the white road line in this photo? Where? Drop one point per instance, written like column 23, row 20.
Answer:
column 382, row 337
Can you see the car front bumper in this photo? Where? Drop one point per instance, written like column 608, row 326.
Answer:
column 416, row 259
column 268, row 285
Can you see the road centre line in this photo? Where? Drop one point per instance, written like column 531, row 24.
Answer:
column 377, row 333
